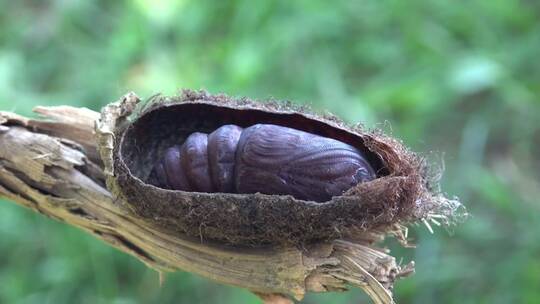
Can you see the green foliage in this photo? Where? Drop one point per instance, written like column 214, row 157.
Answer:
column 461, row 78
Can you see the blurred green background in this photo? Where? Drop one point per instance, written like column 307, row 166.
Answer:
column 457, row 79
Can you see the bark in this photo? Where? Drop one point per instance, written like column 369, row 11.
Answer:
column 51, row 166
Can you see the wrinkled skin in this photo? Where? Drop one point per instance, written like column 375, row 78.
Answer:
column 263, row 158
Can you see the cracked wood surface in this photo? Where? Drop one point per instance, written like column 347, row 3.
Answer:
column 52, row 167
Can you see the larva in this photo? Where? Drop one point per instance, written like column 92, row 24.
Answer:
column 263, row 158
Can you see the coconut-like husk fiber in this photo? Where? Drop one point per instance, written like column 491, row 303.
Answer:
column 402, row 193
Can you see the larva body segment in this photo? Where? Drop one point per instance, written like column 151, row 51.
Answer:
column 221, row 156
column 263, row 158
column 174, row 175
column 194, row 155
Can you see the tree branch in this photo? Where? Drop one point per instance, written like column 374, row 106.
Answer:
column 52, row 167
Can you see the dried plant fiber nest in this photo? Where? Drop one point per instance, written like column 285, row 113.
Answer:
column 401, row 194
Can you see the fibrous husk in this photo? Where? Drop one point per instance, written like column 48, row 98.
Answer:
column 403, row 192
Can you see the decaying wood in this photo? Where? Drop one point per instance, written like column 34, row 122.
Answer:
column 52, row 167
